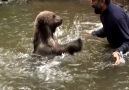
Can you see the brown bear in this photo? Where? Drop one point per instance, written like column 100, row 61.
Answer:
column 44, row 41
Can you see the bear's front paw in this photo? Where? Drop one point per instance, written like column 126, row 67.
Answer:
column 74, row 46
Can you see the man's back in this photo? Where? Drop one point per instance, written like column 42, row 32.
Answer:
column 116, row 25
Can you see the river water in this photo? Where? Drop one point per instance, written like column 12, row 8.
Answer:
column 87, row 70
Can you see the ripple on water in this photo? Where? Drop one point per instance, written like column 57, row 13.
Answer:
column 51, row 72
column 18, row 68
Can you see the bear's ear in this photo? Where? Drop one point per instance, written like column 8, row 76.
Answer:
column 40, row 21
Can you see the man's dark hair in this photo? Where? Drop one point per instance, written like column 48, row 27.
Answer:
column 106, row 1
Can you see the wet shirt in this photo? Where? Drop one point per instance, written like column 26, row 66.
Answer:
column 115, row 27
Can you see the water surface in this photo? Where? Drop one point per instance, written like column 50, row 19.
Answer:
column 85, row 70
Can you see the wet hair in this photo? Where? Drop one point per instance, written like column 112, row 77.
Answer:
column 44, row 41
column 106, row 1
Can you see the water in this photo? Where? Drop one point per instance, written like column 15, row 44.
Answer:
column 86, row 70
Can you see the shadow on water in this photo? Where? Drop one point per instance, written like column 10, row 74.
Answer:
column 85, row 70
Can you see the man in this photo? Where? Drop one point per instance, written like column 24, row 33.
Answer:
column 115, row 23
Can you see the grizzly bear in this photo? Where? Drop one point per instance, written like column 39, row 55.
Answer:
column 44, row 41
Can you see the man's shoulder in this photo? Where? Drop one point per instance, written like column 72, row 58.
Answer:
column 116, row 11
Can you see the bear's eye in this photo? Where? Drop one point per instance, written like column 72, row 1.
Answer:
column 54, row 16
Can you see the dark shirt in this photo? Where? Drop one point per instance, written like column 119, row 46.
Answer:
column 115, row 27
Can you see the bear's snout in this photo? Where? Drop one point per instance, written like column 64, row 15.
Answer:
column 58, row 20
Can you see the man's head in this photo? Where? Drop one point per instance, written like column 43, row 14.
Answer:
column 99, row 5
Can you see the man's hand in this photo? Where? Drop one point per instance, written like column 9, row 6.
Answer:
column 88, row 32
column 117, row 56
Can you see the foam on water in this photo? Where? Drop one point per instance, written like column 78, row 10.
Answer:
column 50, row 71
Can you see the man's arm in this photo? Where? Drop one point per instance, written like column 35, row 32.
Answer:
column 99, row 33
column 124, row 29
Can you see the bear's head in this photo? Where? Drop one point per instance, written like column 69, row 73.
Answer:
column 50, row 19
